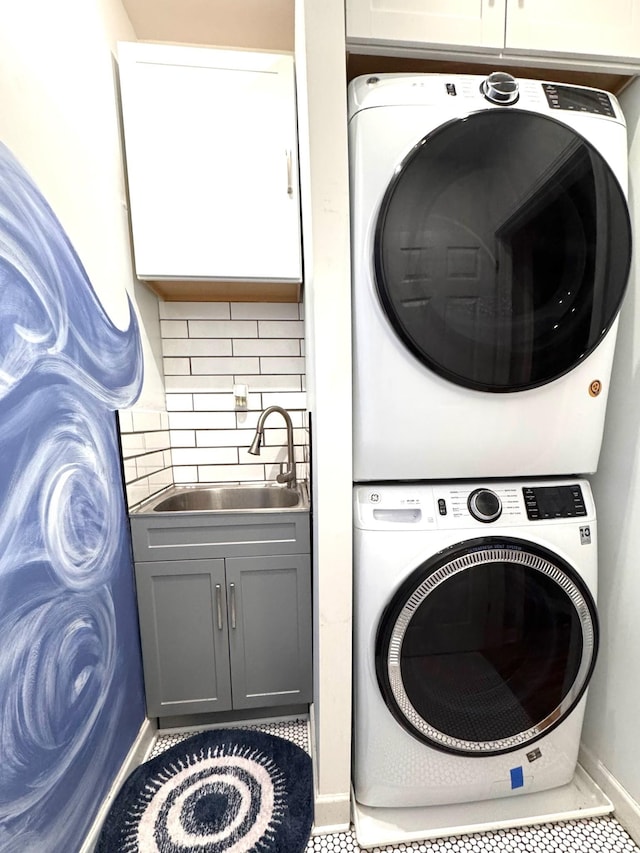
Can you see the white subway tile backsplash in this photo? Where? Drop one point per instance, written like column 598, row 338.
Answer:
column 209, row 347
column 125, row 421
column 174, row 328
column 222, row 438
column 197, row 346
column 185, row 474
column 224, row 329
column 176, row 366
column 183, row 438
column 180, row 402
column 222, row 366
column 137, row 491
column 287, row 401
column 146, row 450
column 202, row 420
column 157, row 440
column 267, row 456
column 260, row 382
column 249, row 420
column 230, row 473
column 267, row 346
column 198, row 383
column 280, row 329
column 282, row 365
column 149, row 463
column 264, row 311
column 194, row 311
column 223, row 402
column 132, row 444
column 279, row 436
column 145, row 421
column 130, row 470
column 160, row 480
column 204, row 455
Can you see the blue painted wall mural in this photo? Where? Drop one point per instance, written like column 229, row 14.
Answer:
column 71, row 695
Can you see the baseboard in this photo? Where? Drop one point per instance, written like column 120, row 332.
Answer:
column 331, row 813
column 138, row 753
column 626, row 809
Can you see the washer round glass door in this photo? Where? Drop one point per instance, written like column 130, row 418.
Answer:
column 502, row 250
column 487, row 646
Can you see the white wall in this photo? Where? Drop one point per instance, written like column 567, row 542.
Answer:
column 321, row 80
column 59, row 118
column 612, row 719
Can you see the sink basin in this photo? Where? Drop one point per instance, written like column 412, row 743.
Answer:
column 227, row 498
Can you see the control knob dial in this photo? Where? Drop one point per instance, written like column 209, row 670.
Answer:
column 484, row 505
column 500, row 88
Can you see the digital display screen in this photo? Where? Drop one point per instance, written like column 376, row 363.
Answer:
column 555, row 501
column 581, row 100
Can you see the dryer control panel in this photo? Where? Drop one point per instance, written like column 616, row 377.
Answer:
column 580, row 100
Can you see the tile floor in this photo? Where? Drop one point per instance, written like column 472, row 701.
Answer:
column 593, row 835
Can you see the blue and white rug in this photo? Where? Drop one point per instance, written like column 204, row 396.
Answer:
column 221, row 791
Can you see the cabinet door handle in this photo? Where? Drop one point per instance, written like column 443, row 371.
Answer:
column 289, row 172
column 219, row 605
column 232, row 595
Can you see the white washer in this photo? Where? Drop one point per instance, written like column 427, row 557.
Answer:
column 491, row 247
column 475, row 638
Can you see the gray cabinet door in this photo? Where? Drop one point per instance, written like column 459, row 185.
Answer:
column 183, row 626
column 269, row 610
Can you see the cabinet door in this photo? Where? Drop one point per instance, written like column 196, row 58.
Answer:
column 269, row 609
column 211, row 151
column 471, row 23
column 183, row 630
column 574, row 27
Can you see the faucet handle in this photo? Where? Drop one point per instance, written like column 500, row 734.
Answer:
column 285, row 476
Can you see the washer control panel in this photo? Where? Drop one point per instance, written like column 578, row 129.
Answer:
column 544, row 502
column 460, row 505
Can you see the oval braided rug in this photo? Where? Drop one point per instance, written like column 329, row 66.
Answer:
column 220, row 791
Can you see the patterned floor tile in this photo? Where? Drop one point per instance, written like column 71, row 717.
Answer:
column 593, row 835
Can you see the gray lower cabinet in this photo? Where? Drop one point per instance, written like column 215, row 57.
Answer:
column 183, row 632
column 227, row 633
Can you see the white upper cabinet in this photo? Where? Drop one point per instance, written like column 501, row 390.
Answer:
column 212, row 163
column 454, row 22
column 601, row 30
column 606, row 28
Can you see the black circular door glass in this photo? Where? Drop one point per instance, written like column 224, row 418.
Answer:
column 502, row 250
column 487, row 647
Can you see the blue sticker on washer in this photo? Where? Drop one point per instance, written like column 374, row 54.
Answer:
column 517, row 777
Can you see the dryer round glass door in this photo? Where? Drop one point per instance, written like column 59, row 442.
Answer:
column 487, row 647
column 502, row 250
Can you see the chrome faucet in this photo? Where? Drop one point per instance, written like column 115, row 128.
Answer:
column 288, row 476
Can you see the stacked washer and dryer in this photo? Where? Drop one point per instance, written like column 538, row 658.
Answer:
column 491, row 248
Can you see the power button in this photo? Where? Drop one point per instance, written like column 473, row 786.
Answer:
column 442, row 506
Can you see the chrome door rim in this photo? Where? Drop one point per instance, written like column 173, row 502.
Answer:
column 459, row 564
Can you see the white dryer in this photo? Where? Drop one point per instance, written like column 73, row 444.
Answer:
column 491, row 248
column 476, row 634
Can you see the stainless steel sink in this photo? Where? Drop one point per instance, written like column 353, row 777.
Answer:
column 247, row 498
